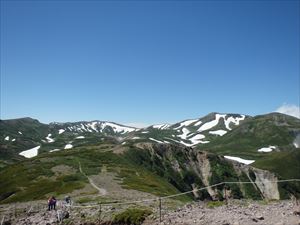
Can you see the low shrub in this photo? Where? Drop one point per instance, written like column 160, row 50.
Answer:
column 131, row 216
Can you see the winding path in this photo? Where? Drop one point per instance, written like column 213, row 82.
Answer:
column 102, row 191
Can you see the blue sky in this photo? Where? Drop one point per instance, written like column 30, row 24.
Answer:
column 147, row 61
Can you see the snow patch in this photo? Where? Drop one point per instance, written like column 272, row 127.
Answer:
column 231, row 119
column 197, row 139
column 296, row 142
column 60, row 131
column 240, row 160
column 212, row 123
column 186, row 123
column 117, row 128
column 93, row 125
column 198, row 123
column 124, row 143
column 267, row 149
column 68, row 146
column 20, row 132
column 172, row 139
column 184, row 134
column 161, row 126
column 83, row 127
column 6, row 138
column 13, row 140
column 50, row 140
column 135, row 138
column 145, row 132
column 30, row 152
column 218, row 132
column 152, row 139
column 80, row 137
column 54, row 150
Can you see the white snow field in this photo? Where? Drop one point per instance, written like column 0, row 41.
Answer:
column 267, row 149
column 68, row 146
column 212, row 123
column 227, row 122
column 30, row 152
column 152, row 139
column 80, row 137
column 161, row 126
column 238, row 159
column 186, row 123
column 60, row 131
column 198, row 123
column 218, row 132
column 54, row 150
column 184, row 134
column 49, row 139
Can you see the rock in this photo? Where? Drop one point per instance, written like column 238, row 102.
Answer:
column 7, row 222
column 297, row 213
column 260, row 217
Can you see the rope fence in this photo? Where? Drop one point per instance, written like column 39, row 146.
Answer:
column 100, row 206
column 182, row 193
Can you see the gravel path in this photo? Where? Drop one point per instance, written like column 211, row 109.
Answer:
column 101, row 191
column 237, row 213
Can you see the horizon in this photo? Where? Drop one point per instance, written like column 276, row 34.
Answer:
column 143, row 125
column 149, row 62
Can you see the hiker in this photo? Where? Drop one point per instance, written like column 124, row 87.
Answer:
column 51, row 203
column 68, row 200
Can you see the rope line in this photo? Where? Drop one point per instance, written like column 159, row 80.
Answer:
column 183, row 193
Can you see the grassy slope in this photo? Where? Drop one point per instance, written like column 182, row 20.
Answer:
column 34, row 179
column 255, row 133
column 286, row 164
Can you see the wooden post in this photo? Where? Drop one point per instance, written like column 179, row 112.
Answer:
column 100, row 210
column 160, row 209
column 2, row 219
column 15, row 213
column 225, row 193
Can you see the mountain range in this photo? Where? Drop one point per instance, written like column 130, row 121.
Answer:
column 172, row 157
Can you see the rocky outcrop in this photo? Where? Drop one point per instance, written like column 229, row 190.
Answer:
column 205, row 169
column 267, row 183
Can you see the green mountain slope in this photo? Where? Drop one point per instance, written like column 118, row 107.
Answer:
column 160, row 159
column 261, row 131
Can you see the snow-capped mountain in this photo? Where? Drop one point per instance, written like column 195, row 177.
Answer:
column 28, row 137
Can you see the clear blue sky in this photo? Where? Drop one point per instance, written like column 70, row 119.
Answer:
column 147, row 61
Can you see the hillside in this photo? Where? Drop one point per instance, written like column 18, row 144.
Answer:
column 20, row 135
column 91, row 158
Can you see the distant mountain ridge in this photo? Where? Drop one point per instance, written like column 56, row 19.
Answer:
column 25, row 133
column 207, row 133
column 173, row 157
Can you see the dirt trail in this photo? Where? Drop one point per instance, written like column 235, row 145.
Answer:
column 102, row 191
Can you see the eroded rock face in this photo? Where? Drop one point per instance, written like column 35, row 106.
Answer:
column 205, row 169
column 267, row 183
column 204, row 165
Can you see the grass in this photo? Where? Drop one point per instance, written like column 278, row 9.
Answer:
column 214, row 204
column 255, row 133
column 131, row 216
column 33, row 178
